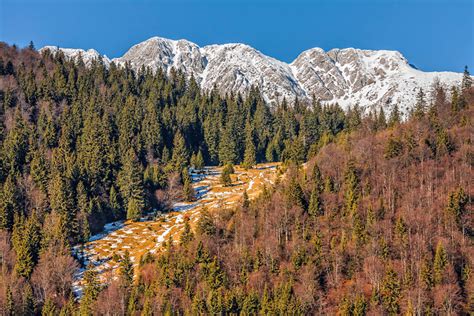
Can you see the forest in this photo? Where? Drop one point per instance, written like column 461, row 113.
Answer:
column 374, row 215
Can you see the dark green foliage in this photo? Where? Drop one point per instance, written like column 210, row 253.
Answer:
column 126, row 270
column 466, row 80
column 456, row 207
column 352, row 188
column 391, row 292
column 225, row 178
column 295, row 194
column 394, row 147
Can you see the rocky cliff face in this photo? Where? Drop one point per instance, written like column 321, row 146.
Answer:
column 347, row 76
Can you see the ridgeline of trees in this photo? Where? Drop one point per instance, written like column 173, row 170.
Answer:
column 380, row 220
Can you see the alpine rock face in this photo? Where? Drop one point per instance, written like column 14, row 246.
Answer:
column 346, row 76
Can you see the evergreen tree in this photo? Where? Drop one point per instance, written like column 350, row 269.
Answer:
column 28, row 301
column 225, row 179
column 466, row 80
column 199, row 164
column 49, row 308
column 187, row 234
column 126, row 270
column 8, row 203
column 439, row 264
column 391, row 292
column 62, row 202
column 179, row 158
column 10, row 304
column 188, row 191
column 131, row 186
column 420, row 105
column 295, row 194
column 249, row 154
column 456, row 207
column 352, row 188
column 227, row 148
column 315, row 205
column 395, row 116
column 92, row 288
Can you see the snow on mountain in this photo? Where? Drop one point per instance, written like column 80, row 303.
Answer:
column 347, row 76
column 74, row 53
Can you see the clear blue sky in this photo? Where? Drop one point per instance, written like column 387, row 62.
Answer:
column 433, row 35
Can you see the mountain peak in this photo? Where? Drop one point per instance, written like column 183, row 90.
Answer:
column 343, row 75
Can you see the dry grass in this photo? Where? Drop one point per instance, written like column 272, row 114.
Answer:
column 140, row 238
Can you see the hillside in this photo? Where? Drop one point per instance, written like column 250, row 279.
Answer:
column 372, row 214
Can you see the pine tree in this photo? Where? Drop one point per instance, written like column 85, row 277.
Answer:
column 295, row 194
column 8, row 203
column 62, row 202
column 227, row 147
column 199, row 165
column 466, row 80
column 49, row 308
column 225, row 179
column 395, row 116
column 420, row 105
column 126, row 270
column 28, row 308
column 249, row 153
column 92, row 288
column 10, row 304
column 456, row 207
column 26, row 242
column 439, row 264
column 315, row 205
column 352, row 189
column 114, row 202
column 180, row 157
column 187, row 234
column 391, row 292
column 131, row 186
column 188, row 191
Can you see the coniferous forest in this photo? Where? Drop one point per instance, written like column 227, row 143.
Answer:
column 373, row 213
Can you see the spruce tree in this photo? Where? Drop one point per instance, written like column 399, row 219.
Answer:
column 249, row 153
column 352, row 188
column 420, row 105
column 395, row 116
column 225, row 178
column 92, row 288
column 131, row 186
column 439, row 264
column 179, row 158
column 295, row 194
column 391, row 292
column 466, row 80
column 199, row 164
column 188, row 191
column 126, row 270
column 8, row 203
column 315, row 205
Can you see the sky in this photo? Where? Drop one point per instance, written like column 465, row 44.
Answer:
column 434, row 35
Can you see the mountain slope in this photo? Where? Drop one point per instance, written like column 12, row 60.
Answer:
column 347, row 76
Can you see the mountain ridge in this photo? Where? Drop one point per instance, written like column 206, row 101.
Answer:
column 346, row 76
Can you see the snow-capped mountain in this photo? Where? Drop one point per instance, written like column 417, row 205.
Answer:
column 347, row 76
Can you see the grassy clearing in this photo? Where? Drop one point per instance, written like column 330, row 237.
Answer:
column 142, row 237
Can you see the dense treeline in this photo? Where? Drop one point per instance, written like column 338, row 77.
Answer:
column 81, row 146
column 376, row 223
